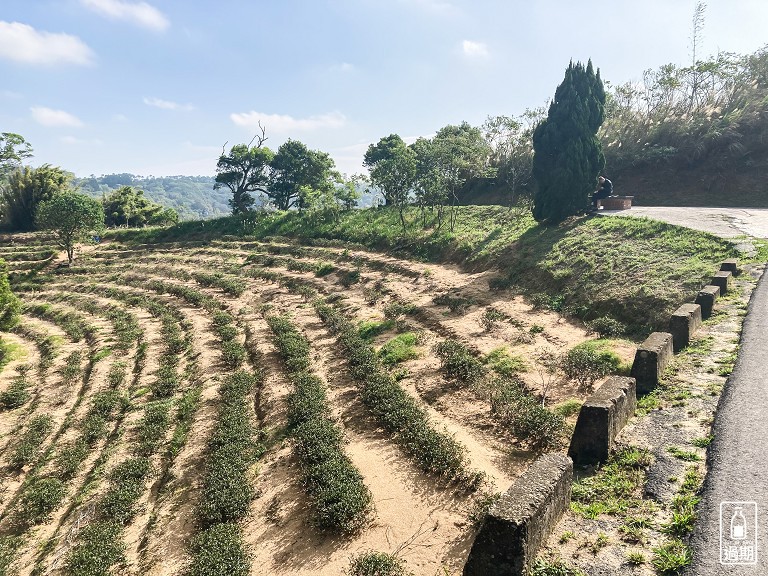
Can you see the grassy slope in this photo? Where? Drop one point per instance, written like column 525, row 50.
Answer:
column 636, row 270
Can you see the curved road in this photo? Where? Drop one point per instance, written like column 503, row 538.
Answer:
column 736, row 486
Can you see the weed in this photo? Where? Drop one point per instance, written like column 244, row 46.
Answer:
column 373, row 563
column 324, row 268
column 504, row 363
column 553, row 567
column 636, row 558
column 684, row 455
column 704, row 441
column 481, row 505
column 566, row 537
column 672, row 557
column 372, row 328
column 456, row 304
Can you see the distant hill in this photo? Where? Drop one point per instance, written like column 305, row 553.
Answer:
column 193, row 197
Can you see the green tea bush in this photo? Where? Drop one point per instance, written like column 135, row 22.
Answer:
column 28, row 447
column 100, row 546
column 529, row 421
column 8, row 547
column 458, row 362
column 589, row 361
column 219, row 550
column 71, row 369
column 293, row 346
column 41, row 497
column 69, row 458
column 166, row 380
column 454, row 303
column 126, row 486
column 396, row 309
column 324, row 268
column 16, row 395
column 93, row 428
column 233, row 354
column 152, row 428
column 607, row 327
column 105, row 403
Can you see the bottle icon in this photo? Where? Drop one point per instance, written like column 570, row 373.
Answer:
column 738, row 525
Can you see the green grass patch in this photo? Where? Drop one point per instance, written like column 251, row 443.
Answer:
column 615, row 488
column 399, row 349
column 369, row 329
column 684, row 455
column 504, row 363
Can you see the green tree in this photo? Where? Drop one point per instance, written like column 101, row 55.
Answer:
column 393, row 170
column 72, row 217
column 295, row 168
column 25, row 188
column 244, row 170
column 10, row 306
column 460, row 153
column 13, row 151
column 127, row 206
column 567, row 154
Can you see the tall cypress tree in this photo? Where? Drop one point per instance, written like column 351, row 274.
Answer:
column 567, row 154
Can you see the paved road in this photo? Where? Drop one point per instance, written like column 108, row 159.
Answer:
column 738, row 458
column 725, row 222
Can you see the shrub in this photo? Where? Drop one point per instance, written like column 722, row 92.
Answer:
column 607, row 327
column 399, row 349
column 69, row 458
column 219, row 550
column 377, row 564
column 233, row 353
column 28, row 446
column 324, row 268
column 589, row 361
column 99, row 548
column 40, row 498
column 458, row 362
column 492, row 316
column 16, row 395
column 349, row 277
column 71, row 369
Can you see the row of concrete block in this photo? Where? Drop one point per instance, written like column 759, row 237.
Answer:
column 522, row 519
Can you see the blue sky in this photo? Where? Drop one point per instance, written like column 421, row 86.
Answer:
column 158, row 87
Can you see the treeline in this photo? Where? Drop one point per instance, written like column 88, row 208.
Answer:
column 192, row 197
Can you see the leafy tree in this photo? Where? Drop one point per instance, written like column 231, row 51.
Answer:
column 10, row 306
column 567, row 154
column 244, row 171
column 347, row 192
column 127, row 206
column 511, row 143
column 429, row 190
column 71, row 217
column 13, row 151
column 25, row 188
column 295, row 168
column 393, row 169
column 459, row 153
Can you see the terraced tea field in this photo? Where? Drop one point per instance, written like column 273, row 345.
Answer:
column 262, row 408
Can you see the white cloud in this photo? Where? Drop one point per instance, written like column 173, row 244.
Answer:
column 343, row 67
column 281, row 123
column 120, row 118
column 140, row 13
column 73, row 141
column 474, row 49
column 22, row 43
column 167, row 104
column 435, row 6
column 54, row 118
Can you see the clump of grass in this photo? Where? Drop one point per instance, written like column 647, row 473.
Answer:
column 374, row 563
column 568, row 408
column 704, row 441
column 553, row 567
column 672, row 557
column 399, row 349
column 372, row 328
column 615, row 487
column 636, row 558
column 505, row 364
column 684, row 455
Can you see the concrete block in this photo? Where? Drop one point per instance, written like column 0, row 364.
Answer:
column 601, row 418
column 683, row 324
column 522, row 519
column 651, row 359
column 731, row 265
column 723, row 280
column 706, row 298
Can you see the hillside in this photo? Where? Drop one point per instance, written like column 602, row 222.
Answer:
column 193, row 197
